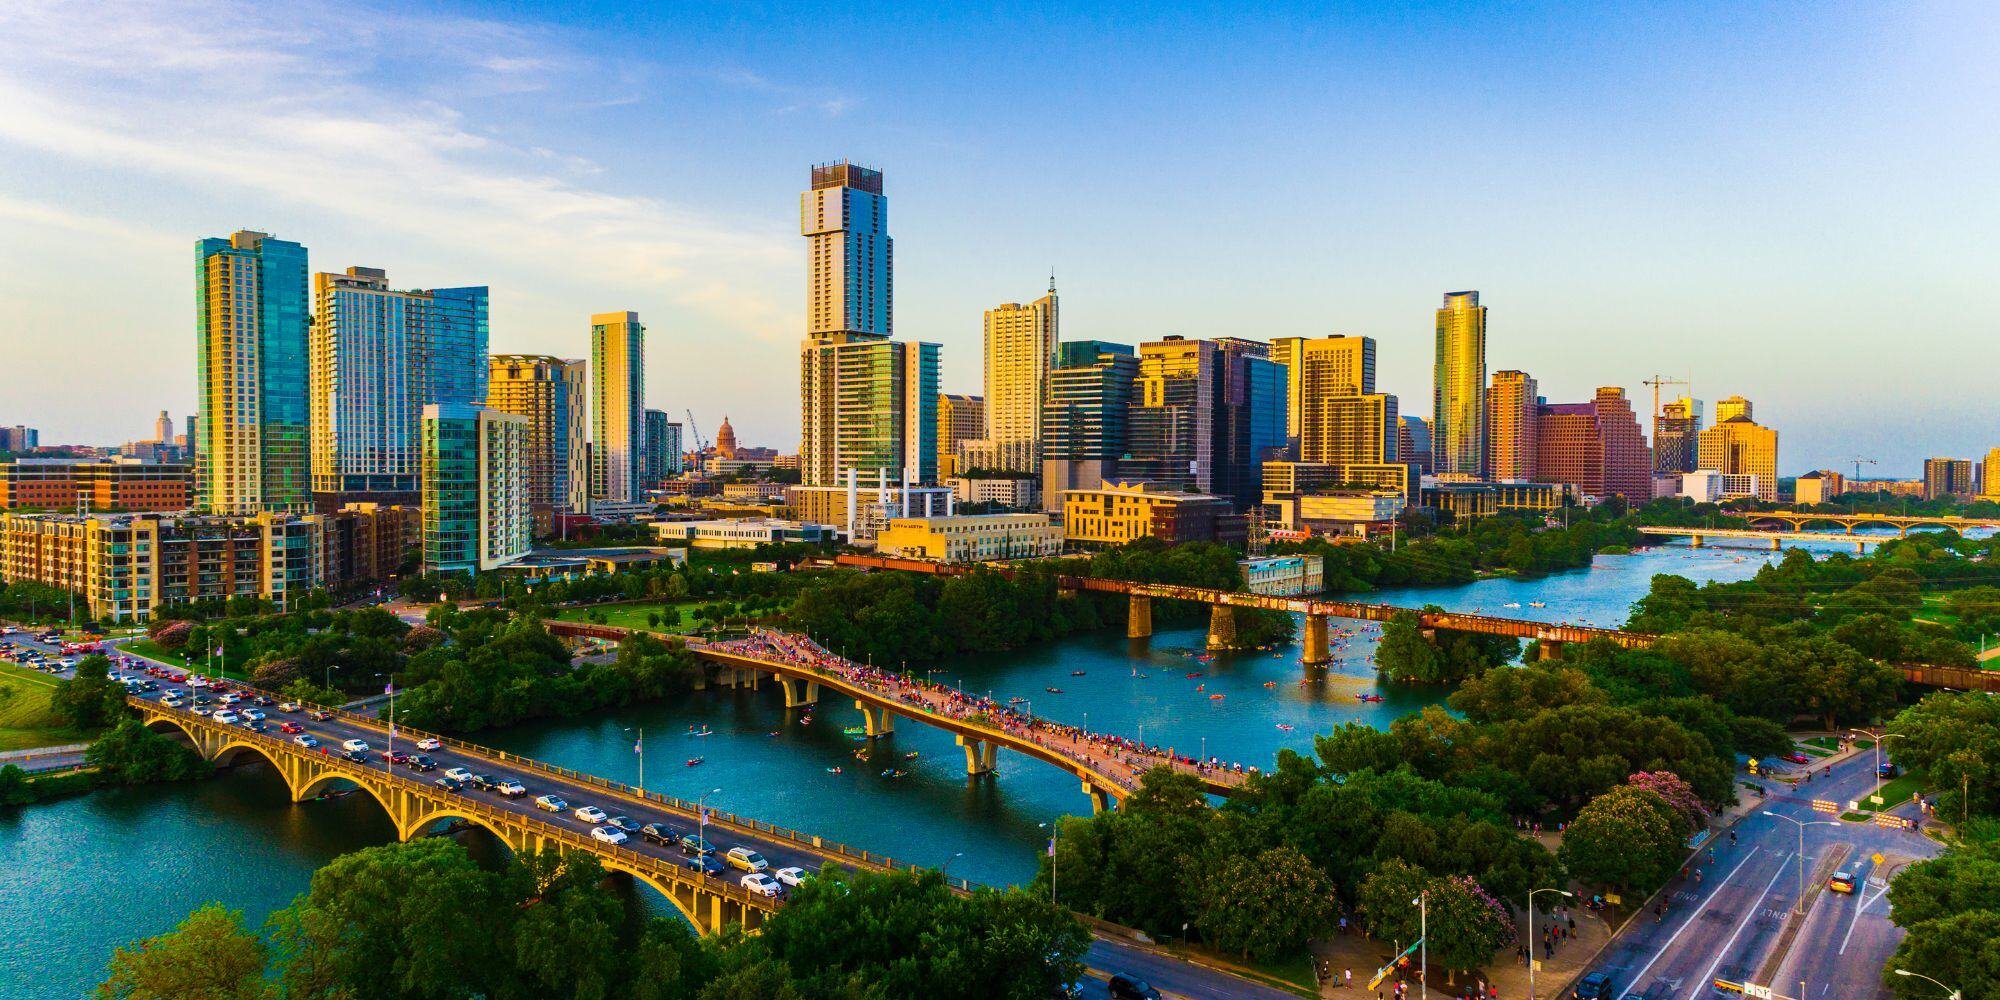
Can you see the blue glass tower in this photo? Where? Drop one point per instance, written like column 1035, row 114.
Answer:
column 250, row 349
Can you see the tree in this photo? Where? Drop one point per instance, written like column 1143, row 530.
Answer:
column 1499, row 695
column 1267, row 906
column 1962, row 949
column 1955, row 739
column 1964, row 878
column 1404, row 653
column 1467, row 925
column 210, row 956
column 1628, row 838
column 1386, row 898
column 91, row 700
column 131, row 754
column 568, row 942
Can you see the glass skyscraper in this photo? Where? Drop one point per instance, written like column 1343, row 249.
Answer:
column 474, row 487
column 551, row 393
column 250, row 348
column 618, row 406
column 1458, row 398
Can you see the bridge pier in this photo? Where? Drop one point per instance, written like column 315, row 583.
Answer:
column 876, row 721
column 1860, row 548
column 1221, row 626
column 1315, row 641
column 1776, row 544
column 1694, row 541
column 1139, row 617
column 1098, row 800
column 1548, row 649
column 979, row 755
column 799, row 692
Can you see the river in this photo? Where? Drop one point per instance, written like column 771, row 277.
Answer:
column 85, row 875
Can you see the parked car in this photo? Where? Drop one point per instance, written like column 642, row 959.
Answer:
column 1124, row 987
column 746, row 859
column 1595, row 986
column 659, row 833
column 550, row 803
column 759, row 882
column 608, row 835
column 1798, row 757
column 1887, row 769
column 355, row 746
column 793, row 877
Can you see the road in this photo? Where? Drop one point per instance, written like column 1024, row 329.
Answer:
column 1731, row 924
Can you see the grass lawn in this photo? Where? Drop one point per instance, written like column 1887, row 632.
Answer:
column 1895, row 792
column 633, row 615
column 1294, row 975
column 26, row 720
column 151, row 650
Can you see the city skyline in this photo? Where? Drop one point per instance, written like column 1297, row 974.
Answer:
column 1726, row 277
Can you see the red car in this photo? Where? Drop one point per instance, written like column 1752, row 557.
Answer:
column 395, row 756
column 291, row 727
column 1798, row 758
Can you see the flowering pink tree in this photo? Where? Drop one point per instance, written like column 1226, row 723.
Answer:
column 1677, row 793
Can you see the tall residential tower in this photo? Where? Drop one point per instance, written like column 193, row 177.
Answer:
column 1458, row 399
column 552, row 395
column 617, row 406
column 250, row 375
column 1020, row 348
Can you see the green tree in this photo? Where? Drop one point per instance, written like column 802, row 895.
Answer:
column 1962, row 949
column 1628, row 838
column 1268, row 906
column 1967, row 877
column 1404, row 653
column 131, row 754
column 210, row 956
column 91, row 700
column 567, row 943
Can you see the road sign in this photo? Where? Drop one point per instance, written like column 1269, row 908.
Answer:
column 1754, row 990
column 1825, row 806
column 1876, row 857
column 1875, row 799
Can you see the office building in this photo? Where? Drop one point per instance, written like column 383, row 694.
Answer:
column 861, row 508
column 1251, row 418
column 1513, row 403
column 475, row 488
column 1020, row 350
column 1948, row 477
column 126, row 566
column 1466, row 501
column 1737, row 445
column 659, row 450
column 251, row 316
column 1118, row 512
column 1413, row 443
column 1084, row 420
column 971, row 538
column 1818, row 487
column 1316, row 367
column 1018, row 491
column 378, row 356
column 1339, row 418
column 617, row 407
column 1596, row 447
column 552, row 394
column 675, row 447
column 850, row 259
column 1989, row 483
column 58, row 484
column 871, row 406
column 1458, row 397
column 1677, row 436
column 1171, row 423
column 19, row 438
column 1710, row 486
column 960, row 418
column 163, row 429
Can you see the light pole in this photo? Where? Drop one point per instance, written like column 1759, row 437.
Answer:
column 1799, row 905
column 944, row 870
column 701, row 810
column 1055, row 831
column 1950, row 994
column 639, row 748
column 1423, row 905
column 1879, row 740
column 1531, row 933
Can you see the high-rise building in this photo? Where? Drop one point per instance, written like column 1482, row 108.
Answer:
column 552, row 395
column 163, row 429
column 676, row 451
column 1737, row 445
column 1171, row 421
column 1321, row 366
column 1083, row 422
column 1020, row 349
column 618, row 405
column 1413, row 443
column 19, row 438
column 850, row 259
column 1458, row 397
column 1989, row 479
column 1948, row 477
column 960, row 418
column 1677, row 435
column 475, row 488
column 251, row 315
column 659, row 449
column 1596, row 447
column 1252, row 418
column 1513, row 404
column 378, row 357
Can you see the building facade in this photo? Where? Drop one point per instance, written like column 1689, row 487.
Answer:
column 1020, row 350
column 475, row 489
column 617, row 407
column 1677, row 436
column 552, row 394
column 1989, row 484
column 126, row 566
column 1458, row 395
column 659, row 450
column 1737, row 445
column 1413, row 443
column 378, row 357
column 1948, row 477
column 742, row 533
column 850, row 258
column 861, row 509
column 1596, row 447
column 251, row 316
column 20, row 438
column 1121, row 511
column 1733, row 407
column 1084, row 421
column 960, row 418
column 1818, row 487
column 871, row 405
column 58, row 484
column 1284, row 576
column 1018, row 492
column 1172, row 418
column 971, row 538
column 1513, row 405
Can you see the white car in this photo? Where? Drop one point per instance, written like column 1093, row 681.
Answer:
column 227, row 717
column 761, row 883
column 792, row 876
column 305, row 741
column 550, row 803
column 231, row 698
column 253, row 714
column 458, row 774
column 608, row 835
column 511, row 789
column 591, row 814
column 289, row 706
column 355, row 746
column 172, row 701
column 430, row 743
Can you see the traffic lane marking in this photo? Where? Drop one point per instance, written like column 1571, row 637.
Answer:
column 1696, row 914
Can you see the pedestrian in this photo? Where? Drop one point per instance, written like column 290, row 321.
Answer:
column 1347, row 978
column 1572, row 927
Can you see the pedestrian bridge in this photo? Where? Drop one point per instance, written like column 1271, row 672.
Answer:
column 1697, row 537
column 1797, row 520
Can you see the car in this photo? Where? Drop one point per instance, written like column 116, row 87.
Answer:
column 450, row 784
column 483, row 782
column 761, row 883
column 290, row 727
column 659, row 833
column 694, row 844
column 227, row 716
column 512, row 789
column 1841, row 882
column 257, row 725
column 1887, row 769
column 1595, row 986
column 395, row 757
column 232, row 698
column 355, row 746
column 305, row 741
column 1798, row 757
column 550, row 803
column 590, row 814
column 202, row 699
column 1123, row 987
column 705, row 865
column 420, row 762
column 149, row 685
column 746, row 859
column 289, row 706
column 172, row 701
column 430, row 743
column 357, row 756
column 459, row 774
column 320, row 715
column 264, row 701
column 794, row 877
column 201, row 710
column 251, row 713
column 608, row 835
column 625, row 823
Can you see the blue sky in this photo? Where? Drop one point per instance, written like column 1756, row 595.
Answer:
column 1799, row 210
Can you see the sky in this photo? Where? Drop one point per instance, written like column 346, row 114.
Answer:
column 1794, row 204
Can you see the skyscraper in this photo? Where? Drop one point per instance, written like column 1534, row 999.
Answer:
column 474, row 488
column 1989, row 476
column 1677, row 435
column 960, row 418
column 866, row 402
column 1171, row 422
column 1512, row 404
column 1084, row 420
column 1595, row 446
column 1339, row 417
column 163, row 429
column 1948, row 477
column 551, row 394
column 250, row 375
column 618, row 405
column 1020, row 348
column 658, row 450
column 1458, row 399
column 1734, row 406
column 1738, row 445
column 1413, row 443
column 378, row 356
column 1250, row 420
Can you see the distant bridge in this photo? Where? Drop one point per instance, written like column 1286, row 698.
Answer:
column 1797, row 520
column 1697, row 537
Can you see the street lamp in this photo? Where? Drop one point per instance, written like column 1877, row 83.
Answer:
column 701, row 810
column 639, row 748
column 1531, row 933
column 1799, row 905
column 944, row 870
column 1879, row 740
column 1423, row 905
column 1951, row 994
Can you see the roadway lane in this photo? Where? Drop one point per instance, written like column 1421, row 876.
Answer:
column 1170, row 975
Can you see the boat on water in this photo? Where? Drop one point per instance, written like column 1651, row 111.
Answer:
column 1076, row 673
column 1270, row 684
column 833, row 770
column 893, row 773
column 1216, row 697
column 1538, row 604
column 854, row 731
column 1284, row 727
column 694, row 761
column 703, row 731
column 1369, row 697
column 1053, row 690
column 1016, row 700
column 1511, row 604
column 1199, row 688
column 1194, row 675
column 910, row 755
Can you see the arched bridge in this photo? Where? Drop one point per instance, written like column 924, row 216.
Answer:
column 1798, row 519
column 1697, row 537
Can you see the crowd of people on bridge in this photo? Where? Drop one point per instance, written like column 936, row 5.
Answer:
column 1119, row 757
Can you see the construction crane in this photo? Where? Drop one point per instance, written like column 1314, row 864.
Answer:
column 1659, row 380
column 695, row 430
column 1857, row 465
